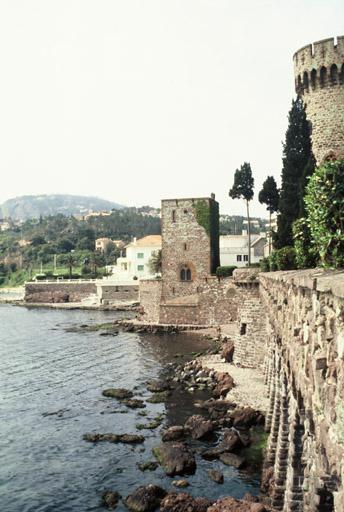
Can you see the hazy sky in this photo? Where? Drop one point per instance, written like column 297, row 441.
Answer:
column 138, row 100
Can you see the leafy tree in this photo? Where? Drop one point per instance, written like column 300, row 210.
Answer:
column 297, row 155
column 155, row 262
column 243, row 189
column 325, row 212
column 65, row 245
column 38, row 240
column 269, row 195
column 85, row 244
column 70, row 261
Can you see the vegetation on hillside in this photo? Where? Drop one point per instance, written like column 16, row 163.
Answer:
column 32, row 207
column 65, row 246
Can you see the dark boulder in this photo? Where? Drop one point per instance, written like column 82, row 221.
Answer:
column 175, row 458
column 216, row 476
column 224, row 384
column 145, row 498
column 119, row 393
column 232, row 505
column 175, row 433
column 111, row 499
column 157, row 386
column 114, row 438
column 183, row 502
column 199, row 427
column 150, row 465
column 231, row 459
column 180, row 483
column 228, row 351
column 231, row 442
column 246, row 417
column 134, row 403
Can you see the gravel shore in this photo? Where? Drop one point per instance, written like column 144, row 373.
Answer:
column 249, row 390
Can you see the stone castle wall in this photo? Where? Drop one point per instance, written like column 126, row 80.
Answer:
column 250, row 334
column 319, row 79
column 58, row 292
column 218, row 302
column 305, row 378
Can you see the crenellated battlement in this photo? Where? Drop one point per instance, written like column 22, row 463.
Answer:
column 319, row 80
column 320, row 64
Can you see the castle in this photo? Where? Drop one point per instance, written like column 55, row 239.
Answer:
column 319, row 80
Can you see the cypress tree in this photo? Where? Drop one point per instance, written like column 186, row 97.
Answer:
column 270, row 196
column 297, row 165
column 243, row 188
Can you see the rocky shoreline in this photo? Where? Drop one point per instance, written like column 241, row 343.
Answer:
column 227, row 427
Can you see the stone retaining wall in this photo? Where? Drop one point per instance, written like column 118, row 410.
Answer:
column 305, row 376
column 109, row 294
column 216, row 302
column 58, row 292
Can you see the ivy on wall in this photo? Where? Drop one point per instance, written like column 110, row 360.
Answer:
column 203, row 215
column 207, row 216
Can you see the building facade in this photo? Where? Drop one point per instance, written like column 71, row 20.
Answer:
column 135, row 264
column 234, row 249
column 319, row 80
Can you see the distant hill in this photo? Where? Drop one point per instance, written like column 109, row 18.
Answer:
column 31, row 207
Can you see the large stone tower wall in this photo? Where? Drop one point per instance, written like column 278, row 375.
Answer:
column 319, row 79
column 190, row 238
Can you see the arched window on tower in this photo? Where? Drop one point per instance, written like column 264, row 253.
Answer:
column 334, row 74
column 313, row 78
column 305, row 81
column 185, row 273
column 299, row 84
column 323, row 76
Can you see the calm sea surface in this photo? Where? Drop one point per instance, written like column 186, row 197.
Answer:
column 44, row 463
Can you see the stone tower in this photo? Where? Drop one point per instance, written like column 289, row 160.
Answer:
column 190, row 244
column 319, row 80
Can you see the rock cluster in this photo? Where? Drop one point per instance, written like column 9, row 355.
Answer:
column 193, row 376
column 151, row 497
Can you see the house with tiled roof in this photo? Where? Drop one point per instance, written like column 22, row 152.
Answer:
column 135, row 264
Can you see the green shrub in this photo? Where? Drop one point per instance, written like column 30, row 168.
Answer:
column 273, row 261
column 264, row 265
column 85, row 270
column 285, row 258
column 225, row 271
column 305, row 253
column 324, row 202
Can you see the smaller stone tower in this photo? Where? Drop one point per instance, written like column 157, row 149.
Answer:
column 190, row 244
column 319, row 80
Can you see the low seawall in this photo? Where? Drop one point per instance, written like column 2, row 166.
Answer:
column 58, row 292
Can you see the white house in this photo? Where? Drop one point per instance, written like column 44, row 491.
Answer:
column 234, row 249
column 135, row 262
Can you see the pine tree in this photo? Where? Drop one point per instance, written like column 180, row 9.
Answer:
column 269, row 195
column 243, row 188
column 297, row 155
